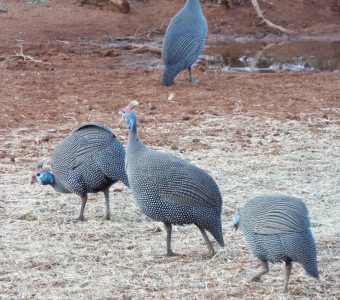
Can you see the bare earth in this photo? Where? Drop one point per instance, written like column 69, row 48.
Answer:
column 254, row 133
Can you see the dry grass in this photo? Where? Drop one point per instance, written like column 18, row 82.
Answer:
column 42, row 257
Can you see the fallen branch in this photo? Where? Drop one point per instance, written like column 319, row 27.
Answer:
column 148, row 32
column 25, row 57
column 146, row 48
column 266, row 21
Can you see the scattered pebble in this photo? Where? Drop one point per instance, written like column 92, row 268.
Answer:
column 46, row 138
column 171, row 96
column 3, row 9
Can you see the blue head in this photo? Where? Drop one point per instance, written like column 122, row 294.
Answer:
column 236, row 219
column 43, row 175
column 130, row 115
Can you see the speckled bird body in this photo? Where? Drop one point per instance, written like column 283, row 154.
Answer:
column 277, row 229
column 171, row 190
column 89, row 160
column 174, row 191
column 184, row 40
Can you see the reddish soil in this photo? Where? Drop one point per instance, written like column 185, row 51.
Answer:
column 91, row 82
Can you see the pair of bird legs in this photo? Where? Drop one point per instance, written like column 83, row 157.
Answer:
column 168, row 227
column 82, row 208
column 169, row 252
column 265, row 269
column 191, row 80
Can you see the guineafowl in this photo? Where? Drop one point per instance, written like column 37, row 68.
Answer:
column 171, row 190
column 89, row 160
column 277, row 228
column 183, row 41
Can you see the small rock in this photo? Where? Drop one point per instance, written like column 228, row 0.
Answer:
column 249, row 135
column 196, row 140
column 174, row 147
column 12, row 158
column 171, row 96
column 186, row 118
column 110, row 53
column 45, row 138
column 3, row 9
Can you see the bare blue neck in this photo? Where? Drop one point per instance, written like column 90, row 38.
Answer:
column 134, row 144
column 193, row 4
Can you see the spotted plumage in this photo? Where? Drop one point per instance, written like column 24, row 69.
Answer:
column 89, row 160
column 171, row 190
column 277, row 229
column 184, row 41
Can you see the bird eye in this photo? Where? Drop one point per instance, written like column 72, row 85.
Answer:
column 38, row 174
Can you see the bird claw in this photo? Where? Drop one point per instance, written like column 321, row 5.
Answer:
column 72, row 219
column 211, row 254
column 194, row 81
column 168, row 254
column 107, row 217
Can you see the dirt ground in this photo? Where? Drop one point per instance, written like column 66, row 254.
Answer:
column 254, row 133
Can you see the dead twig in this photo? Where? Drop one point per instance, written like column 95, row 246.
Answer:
column 25, row 57
column 266, row 21
column 148, row 32
column 145, row 48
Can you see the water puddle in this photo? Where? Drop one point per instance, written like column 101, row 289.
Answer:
column 274, row 56
column 270, row 55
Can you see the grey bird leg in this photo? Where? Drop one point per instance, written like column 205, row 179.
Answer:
column 288, row 268
column 264, row 270
column 107, row 204
column 169, row 252
column 211, row 251
column 81, row 214
column 82, row 208
column 191, row 80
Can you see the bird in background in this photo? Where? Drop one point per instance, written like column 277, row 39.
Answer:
column 89, row 160
column 277, row 229
column 184, row 41
column 171, row 190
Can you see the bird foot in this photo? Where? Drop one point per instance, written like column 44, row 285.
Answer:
column 72, row 219
column 168, row 254
column 194, row 81
column 107, row 217
column 211, row 254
